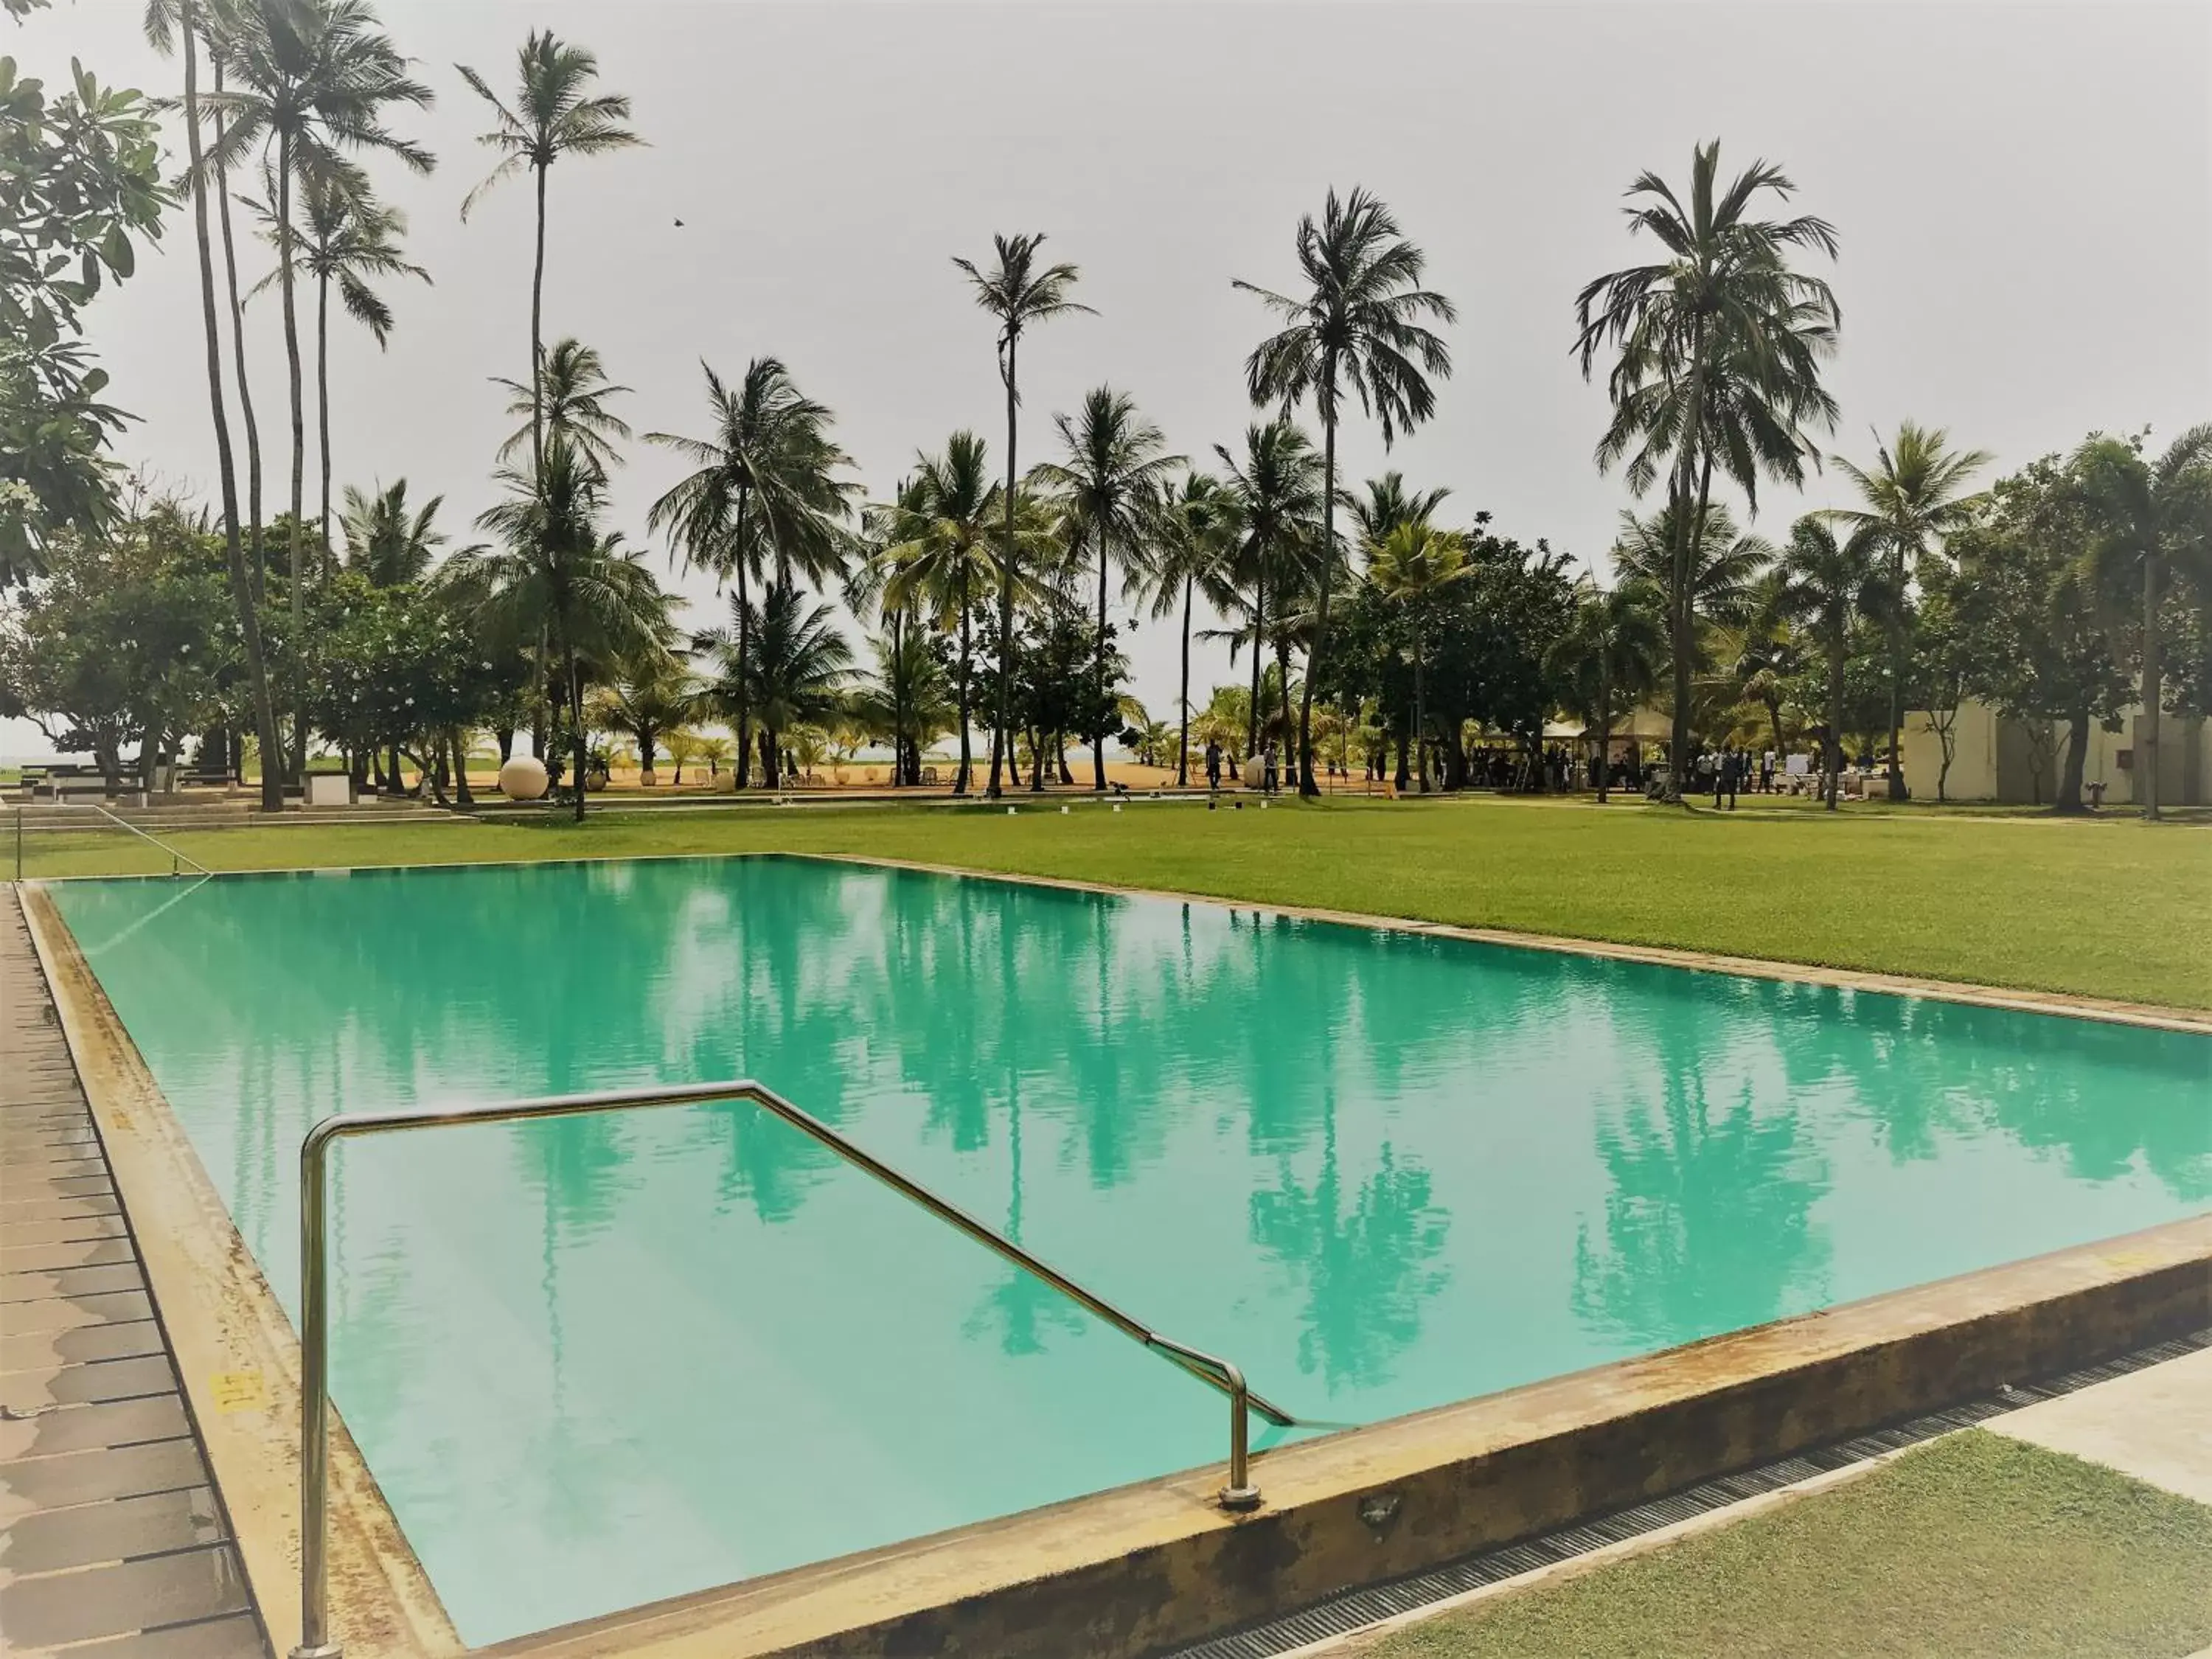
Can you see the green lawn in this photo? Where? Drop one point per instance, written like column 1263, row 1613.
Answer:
column 2100, row 908
column 1976, row 1546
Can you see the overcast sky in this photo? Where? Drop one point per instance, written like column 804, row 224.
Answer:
column 2023, row 192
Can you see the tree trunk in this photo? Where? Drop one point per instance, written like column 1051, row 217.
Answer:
column 1896, row 665
column 576, row 721
column 463, row 797
column 1604, row 736
column 237, row 358
column 1182, row 755
column 1835, row 743
column 1689, row 535
column 960, row 777
column 538, row 380
column 322, row 409
column 771, row 776
column 2146, row 778
column 241, row 586
column 299, row 643
column 2077, row 752
column 1320, row 642
column 1259, row 651
column 743, row 765
column 1004, row 737
column 1403, row 777
column 1098, row 745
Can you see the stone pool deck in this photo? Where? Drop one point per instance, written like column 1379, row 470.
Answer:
column 111, row 1534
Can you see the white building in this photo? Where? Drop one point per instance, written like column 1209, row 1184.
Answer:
column 1997, row 759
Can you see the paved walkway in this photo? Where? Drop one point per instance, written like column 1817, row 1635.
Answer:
column 110, row 1533
column 2155, row 1424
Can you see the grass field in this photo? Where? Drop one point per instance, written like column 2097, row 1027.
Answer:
column 1976, row 1547
column 2106, row 909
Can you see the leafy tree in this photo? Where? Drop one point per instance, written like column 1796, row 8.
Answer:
column 1915, row 495
column 1614, row 648
column 765, row 493
column 1018, row 292
column 1358, row 323
column 1719, row 347
column 1410, row 566
column 1941, row 661
column 2147, row 520
column 79, row 179
column 555, row 113
column 1112, row 479
column 312, row 81
column 1830, row 585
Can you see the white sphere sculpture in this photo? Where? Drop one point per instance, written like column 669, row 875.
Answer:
column 523, row 777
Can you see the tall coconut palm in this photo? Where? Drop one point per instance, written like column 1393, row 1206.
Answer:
column 1201, row 525
column 1720, row 345
column 1828, row 585
column 1410, row 566
column 1111, row 481
column 797, row 666
column 386, row 543
column 1357, row 324
column 936, row 550
column 1916, row 494
column 1278, row 489
column 243, row 597
column 1018, row 292
column 555, row 113
column 570, row 398
column 1387, row 504
column 2150, row 519
column 310, row 84
column 560, row 578
column 347, row 236
column 766, row 494
column 1614, row 647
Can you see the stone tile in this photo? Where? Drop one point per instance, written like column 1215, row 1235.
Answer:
column 237, row 1637
column 121, row 1597
column 97, row 1477
column 66, row 1230
column 57, row 1209
column 70, row 1253
column 81, row 1428
column 2155, row 1424
column 79, row 1158
column 86, row 1385
column 30, row 1186
column 67, row 1313
column 38, row 1350
column 92, row 1533
column 39, row 1286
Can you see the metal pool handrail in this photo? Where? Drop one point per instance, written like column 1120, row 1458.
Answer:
column 176, row 859
column 315, row 1642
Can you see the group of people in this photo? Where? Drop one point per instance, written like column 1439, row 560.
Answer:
column 1729, row 771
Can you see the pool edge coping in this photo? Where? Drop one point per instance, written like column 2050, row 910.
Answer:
column 237, row 1356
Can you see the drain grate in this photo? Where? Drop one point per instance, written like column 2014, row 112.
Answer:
column 1343, row 1614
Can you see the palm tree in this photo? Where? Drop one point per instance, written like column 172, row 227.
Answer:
column 796, row 668
column 1359, row 322
column 1414, row 562
column 243, row 597
column 645, row 700
column 570, row 398
column 936, row 550
column 765, row 490
column 1614, row 646
column 554, row 115
column 1720, row 346
column 1116, row 469
column 1018, row 292
column 559, row 579
column 1278, row 489
column 348, row 236
column 1721, row 577
column 1389, row 504
column 313, row 81
column 1915, row 494
column 384, row 542
column 1201, row 525
column 907, row 700
column 2150, row 518
column 1828, row 583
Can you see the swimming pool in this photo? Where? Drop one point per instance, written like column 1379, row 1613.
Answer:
column 598, row 1361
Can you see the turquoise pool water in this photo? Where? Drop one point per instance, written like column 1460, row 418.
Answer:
column 596, row 1362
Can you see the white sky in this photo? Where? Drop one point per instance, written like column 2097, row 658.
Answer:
column 2024, row 194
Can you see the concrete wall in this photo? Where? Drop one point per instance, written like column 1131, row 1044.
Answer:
column 1992, row 759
